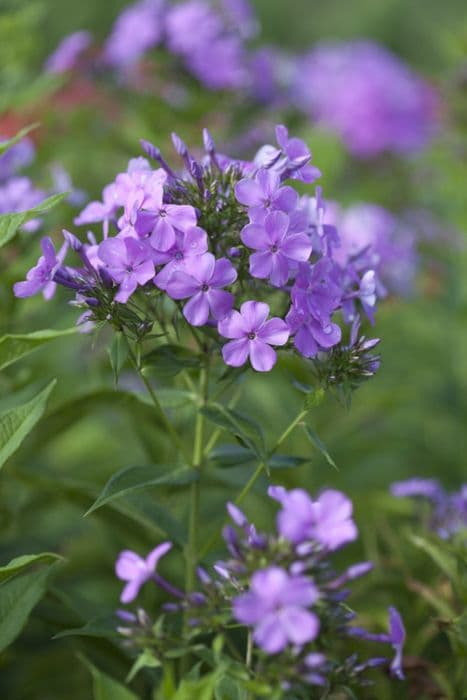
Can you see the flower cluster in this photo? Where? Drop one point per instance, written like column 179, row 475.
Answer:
column 367, row 96
column 225, row 240
column 284, row 589
column 447, row 512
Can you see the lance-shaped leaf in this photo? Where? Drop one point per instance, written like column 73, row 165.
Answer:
column 10, row 223
column 246, row 430
column 168, row 360
column 20, row 564
column 18, row 422
column 133, row 478
column 319, row 444
column 18, row 596
column 14, row 347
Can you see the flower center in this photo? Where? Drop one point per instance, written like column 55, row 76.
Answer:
column 162, row 213
column 251, row 335
column 179, row 255
column 205, row 287
column 129, row 268
column 274, row 248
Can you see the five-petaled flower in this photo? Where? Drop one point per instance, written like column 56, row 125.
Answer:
column 128, row 263
column 252, row 336
column 276, row 605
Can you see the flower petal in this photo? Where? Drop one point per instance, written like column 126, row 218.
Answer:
column 196, row 311
column 262, row 356
column 275, row 332
column 233, row 326
column 236, row 352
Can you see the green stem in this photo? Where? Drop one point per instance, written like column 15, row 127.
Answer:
column 197, row 464
column 164, row 420
column 257, row 473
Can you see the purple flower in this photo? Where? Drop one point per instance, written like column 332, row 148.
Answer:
column 189, row 245
column 278, row 249
column 128, row 262
column 397, row 639
column 328, row 520
column 276, row 606
column 40, row 277
column 162, row 220
column 16, row 157
column 202, row 280
column 264, row 190
column 19, row 194
column 368, row 96
column 427, row 488
column 311, row 336
column 138, row 28
column 100, row 211
column 252, row 336
column 67, row 53
column 136, row 571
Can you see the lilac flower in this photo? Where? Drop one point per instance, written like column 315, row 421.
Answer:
column 67, row 53
column 136, row 571
column 202, row 280
column 264, row 190
column 368, row 96
column 276, row 606
column 40, row 277
column 128, row 262
column 189, row 245
column 328, row 520
column 138, row 28
column 278, row 248
column 252, row 336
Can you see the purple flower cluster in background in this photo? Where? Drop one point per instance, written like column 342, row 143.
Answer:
column 17, row 192
column 366, row 95
column 358, row 89
column 223, row 235
column 283, row 587
column 447, row 512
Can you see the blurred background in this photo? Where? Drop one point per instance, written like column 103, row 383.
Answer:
column 409, row 420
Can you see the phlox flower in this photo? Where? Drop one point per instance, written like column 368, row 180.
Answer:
column 277, row 248
column 328, row 520
column 128, row 262
column 189, row 245
column 40, row 277
column 252, row 336
column 264, row 190
column 276, row 606
column 202, row 280
column 135, row 570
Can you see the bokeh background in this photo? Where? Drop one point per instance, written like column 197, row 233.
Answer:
column 409, row 420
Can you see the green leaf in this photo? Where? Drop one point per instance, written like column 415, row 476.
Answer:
column 5, row 145
column 19, row 564
column 105, row 687
column 14, row 347
column 169, row 360
column 102, row 627
column 226, row 456
column 458, row 635
column 317, row 442
column 145, row 660
column 246, row 430
column 10, row 223
column 18, row 596
column 227, row 689
column 278, row 461
column 118, row 354
column 202, row 689
column 16, row 423
column 133, row 478
column 439, row 555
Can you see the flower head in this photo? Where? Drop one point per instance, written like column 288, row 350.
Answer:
column 252, row 336
column 276, row 605
column 128, row 262
column 135, row 570
column 41, row 276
